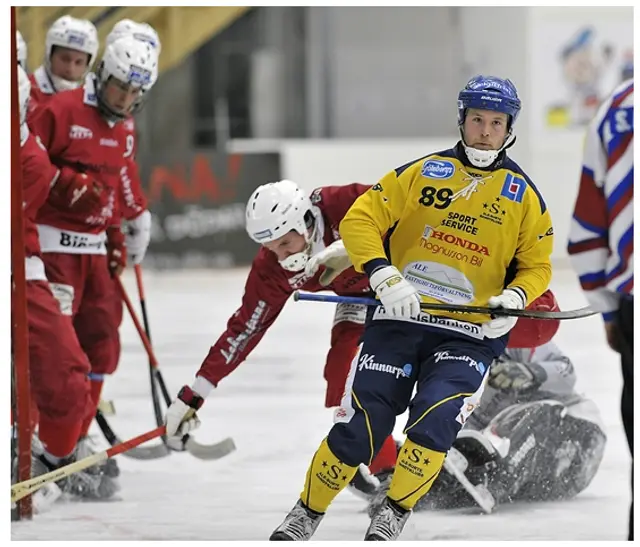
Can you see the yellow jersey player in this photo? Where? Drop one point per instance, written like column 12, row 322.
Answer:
column 462, row 226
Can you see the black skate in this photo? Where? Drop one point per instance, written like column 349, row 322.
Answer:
column 364, row 484
column 376, row 501
column 299, row 525
column 86, row 447
column 90, row 483
column 388, row 522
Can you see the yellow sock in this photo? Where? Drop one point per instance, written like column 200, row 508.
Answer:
column 326, row 477
column 416, row 469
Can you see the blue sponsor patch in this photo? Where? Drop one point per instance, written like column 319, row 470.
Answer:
column 138, row 75
column 438, row 169
column 407, row 369
column 513, row 188
column 76, row 39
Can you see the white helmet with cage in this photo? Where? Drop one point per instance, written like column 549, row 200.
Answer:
column 132, row 62
column 71, row 33
column 22, row 50
column 24, row 93
column 140, row 31
column 276, row 208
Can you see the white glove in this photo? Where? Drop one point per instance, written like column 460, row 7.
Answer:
column 335, row 260
column 510, row 299
column 181, row 415
column 137, row 236
column 398, row 296
column 515, row 376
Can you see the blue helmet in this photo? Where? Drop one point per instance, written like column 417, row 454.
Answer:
column 489, row 93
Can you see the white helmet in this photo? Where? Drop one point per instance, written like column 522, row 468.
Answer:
column 140, row 31
column 22, row 50
column 77, row 34
column 130, row 61
column 24, row 93
column 275, row 209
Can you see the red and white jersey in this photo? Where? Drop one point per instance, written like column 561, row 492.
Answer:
column 601, row 235
column 38, row 175
column 269, row 286
column 42, row 88
column 132, row 199
column 79, row 139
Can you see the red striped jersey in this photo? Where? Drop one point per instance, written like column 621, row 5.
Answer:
column 601, row 235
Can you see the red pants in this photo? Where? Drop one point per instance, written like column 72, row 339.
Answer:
column 348, row 326
column 58, row 372
column 84, row 287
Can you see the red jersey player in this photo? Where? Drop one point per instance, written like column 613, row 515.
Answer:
column 298, row 235
column 133, row 204
column 58, row 366
column 71, row 47
column 83, row 132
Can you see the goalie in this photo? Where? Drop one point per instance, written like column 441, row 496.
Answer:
column 532, row 437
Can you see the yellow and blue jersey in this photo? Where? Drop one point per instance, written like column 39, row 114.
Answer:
column 459, row 234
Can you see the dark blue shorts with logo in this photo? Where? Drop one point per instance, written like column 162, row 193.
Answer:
column 446, row 367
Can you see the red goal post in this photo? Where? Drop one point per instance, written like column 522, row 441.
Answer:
column 21, row 414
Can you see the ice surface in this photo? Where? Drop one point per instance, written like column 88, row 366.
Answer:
column 272, row 405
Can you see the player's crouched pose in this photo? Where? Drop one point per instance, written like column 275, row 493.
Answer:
column 300, row 249
column 464, row 226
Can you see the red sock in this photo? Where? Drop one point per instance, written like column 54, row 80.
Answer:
column 96, row 390
column 59, row 440
column 386, row 457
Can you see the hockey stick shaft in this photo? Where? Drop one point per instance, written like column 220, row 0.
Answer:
column 152, row 452
column 426, row 306
column 145, row 319
column 136, row 323
column 152, row 370
column 22, row 489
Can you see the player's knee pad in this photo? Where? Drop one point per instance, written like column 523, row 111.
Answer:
column 580, row 448
column 64, row 294
column 523, row 437
column 352, row 313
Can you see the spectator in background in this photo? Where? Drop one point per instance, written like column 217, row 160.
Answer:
column 601, row 236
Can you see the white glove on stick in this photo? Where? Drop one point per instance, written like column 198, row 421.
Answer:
column 510, row 299
column 181, row 415
column 335, row 260
column 398, row 296
column 137, row 236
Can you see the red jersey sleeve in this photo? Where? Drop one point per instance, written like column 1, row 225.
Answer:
column 266, row 292
column 38, row 175
column 335, row 201
column 132, row 199
column 49, row 125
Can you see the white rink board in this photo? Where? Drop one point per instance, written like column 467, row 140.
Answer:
column 553, row 162
column 273, row 407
